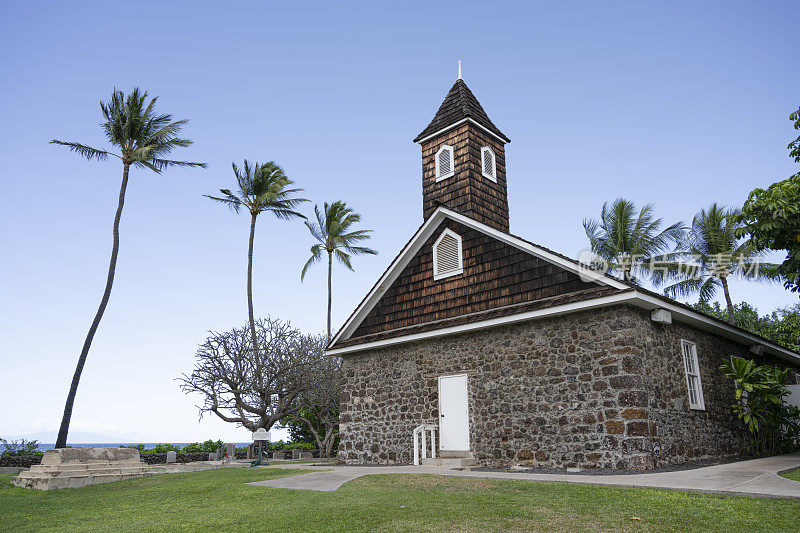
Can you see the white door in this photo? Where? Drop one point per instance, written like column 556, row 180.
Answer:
column 453, row 413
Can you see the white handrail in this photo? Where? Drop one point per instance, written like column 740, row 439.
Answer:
column 420, row 442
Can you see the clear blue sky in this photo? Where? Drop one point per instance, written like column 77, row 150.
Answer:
column 680, row 104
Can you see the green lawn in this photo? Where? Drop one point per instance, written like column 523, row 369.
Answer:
column 218, row 499
column 794, row 475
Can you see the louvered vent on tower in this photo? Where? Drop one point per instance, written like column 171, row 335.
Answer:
column 447, row 259
column 444, row 162
column 487, row 154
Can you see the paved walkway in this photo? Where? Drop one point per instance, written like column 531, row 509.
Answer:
column 757, row 477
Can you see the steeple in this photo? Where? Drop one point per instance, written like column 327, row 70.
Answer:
column 463, row 160
column 458, row 105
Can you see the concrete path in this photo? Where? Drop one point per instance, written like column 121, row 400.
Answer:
column 757, row 477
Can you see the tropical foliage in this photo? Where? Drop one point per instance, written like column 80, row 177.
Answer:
column 794, row 146
column 782, row 326
column 208, row 446
column 773, row 424
column 713, row 254
column 260, row 189
column 630, row 241
column 334, row 236
column 771, row 220
column 144, row 139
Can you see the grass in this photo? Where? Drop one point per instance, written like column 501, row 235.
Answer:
column 219, row 500
column 794, row 475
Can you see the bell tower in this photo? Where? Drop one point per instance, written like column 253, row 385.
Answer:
column 464, row 161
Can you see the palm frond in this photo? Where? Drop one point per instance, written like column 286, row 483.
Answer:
column 361, row 250
column 162, row 164
column 229, row 199
column 344, row 258
column 316, row 253
column 84, row 151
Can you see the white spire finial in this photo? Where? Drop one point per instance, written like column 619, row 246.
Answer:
column 459, row 69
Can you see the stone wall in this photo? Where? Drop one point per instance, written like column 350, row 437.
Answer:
column 23, row 461
column 181, row 457
column 26, row 461
column 593, row 389
column 686, row 434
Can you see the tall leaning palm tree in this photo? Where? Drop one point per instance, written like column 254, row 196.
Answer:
column 261, row 188
column 332, row 230
column 628, row 241
column 714, row 254
column 144, row 139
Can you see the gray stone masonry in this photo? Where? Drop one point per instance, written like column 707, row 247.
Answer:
column 592, row 389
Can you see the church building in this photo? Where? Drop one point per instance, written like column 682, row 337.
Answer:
column 502, row 352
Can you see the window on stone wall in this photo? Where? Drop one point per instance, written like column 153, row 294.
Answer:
column 689, row 353
column 445, row 166
column 447, row 260
column 489, row 165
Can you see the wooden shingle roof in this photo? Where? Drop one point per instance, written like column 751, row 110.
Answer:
column 460, row 104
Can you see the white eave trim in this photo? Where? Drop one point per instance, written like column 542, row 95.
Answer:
column 422, row 235
column 463, row 120
column 632, row 297
column 483, row 324
column 719, row 327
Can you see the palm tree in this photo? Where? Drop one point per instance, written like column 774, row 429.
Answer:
column 332, row 232
column 262, row 188
column 143, row 138
column 629, row 241
column 715, row 254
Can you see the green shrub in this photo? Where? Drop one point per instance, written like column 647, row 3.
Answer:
column 21, row 447
column 207, row 447
column 196, row 447
column 773, row 425
column 139, row 447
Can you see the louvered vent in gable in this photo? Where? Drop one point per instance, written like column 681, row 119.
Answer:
column 447, row 255
column 489, row 167
column 444, row 162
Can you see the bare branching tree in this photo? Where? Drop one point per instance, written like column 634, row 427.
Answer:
column 253, row 388
column 319, row 402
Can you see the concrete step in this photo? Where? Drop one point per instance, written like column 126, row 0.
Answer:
column 74, row 481
column 88, row 466
column 450, row 462
column 47, row 472
column 455, row 454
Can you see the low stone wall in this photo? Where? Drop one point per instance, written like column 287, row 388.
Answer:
column 161, row 458
column 22, row 461
column 26, row 461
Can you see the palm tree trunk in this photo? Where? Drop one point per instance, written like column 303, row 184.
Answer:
column 61, row 440
column 728, row 301
column 250, row 284
column 330, row 269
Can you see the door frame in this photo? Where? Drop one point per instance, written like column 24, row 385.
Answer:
column 439, row 401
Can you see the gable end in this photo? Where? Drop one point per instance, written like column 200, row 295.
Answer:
column 495, row 274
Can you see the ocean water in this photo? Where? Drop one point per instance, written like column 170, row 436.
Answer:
column 45, row 447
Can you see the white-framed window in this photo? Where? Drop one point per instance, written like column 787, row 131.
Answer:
column 689, row 354
column 445, row 164
column 489, row 164
column 447, row 255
